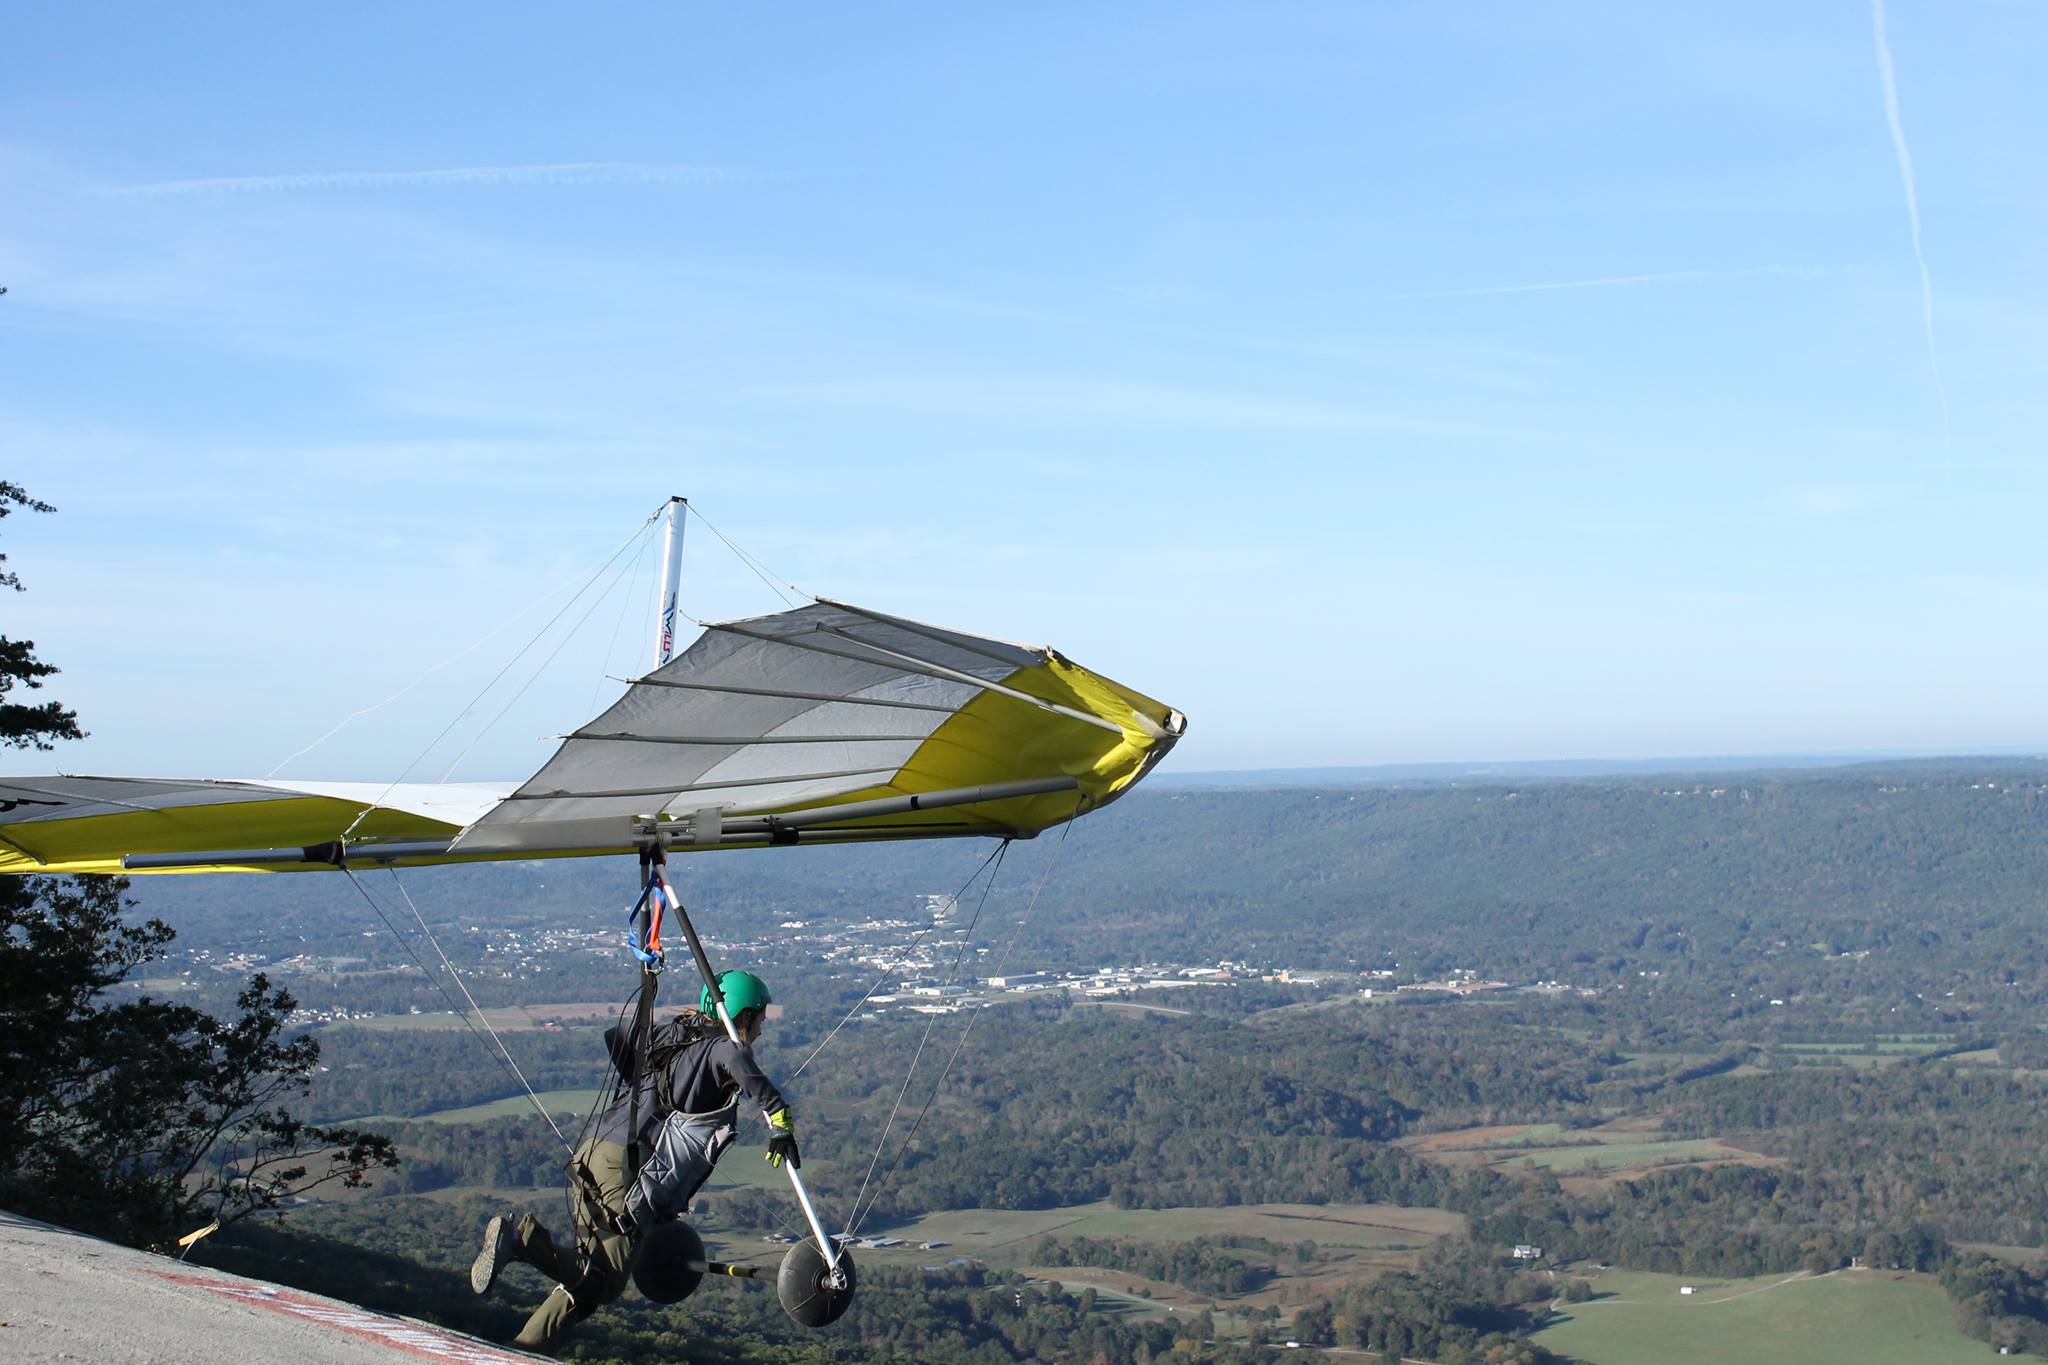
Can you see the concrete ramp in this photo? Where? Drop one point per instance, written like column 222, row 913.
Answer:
column 72, row 1298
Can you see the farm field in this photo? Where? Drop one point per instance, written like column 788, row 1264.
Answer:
column 1625, row 1155
column 1364, row 1227
column 1849, row 1316
column 558, row 1102
column 1626, row 1145
column 512, row 1017
column 1357, row 1241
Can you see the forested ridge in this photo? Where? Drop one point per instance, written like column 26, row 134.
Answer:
column 1734, row 874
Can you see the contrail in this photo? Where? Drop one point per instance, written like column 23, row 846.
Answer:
column 1602, row 281
column 567, row 173
column 1891, row 114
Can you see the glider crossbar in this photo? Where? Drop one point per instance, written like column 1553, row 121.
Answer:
column 332, row 855
column 676, row 835
column 886, row 805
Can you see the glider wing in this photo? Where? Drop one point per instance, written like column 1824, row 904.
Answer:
column 763, row 726
column 828, row 723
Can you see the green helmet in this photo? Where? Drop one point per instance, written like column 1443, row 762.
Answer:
column 741, row 990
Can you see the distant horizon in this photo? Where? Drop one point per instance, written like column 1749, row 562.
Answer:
column 1675, row 764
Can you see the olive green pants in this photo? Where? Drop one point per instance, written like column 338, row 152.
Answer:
column 595, row 1271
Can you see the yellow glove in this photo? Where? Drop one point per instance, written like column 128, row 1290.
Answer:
column 782, row 1140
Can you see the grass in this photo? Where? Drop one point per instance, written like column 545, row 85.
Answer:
column 1359, row 1241
column 1624, row 1144
column 503, row 1018
column 1615, row 1155
column 2016, row 1255
column 1849, row 1316
column 1000, row 1236
column 1335, row 1225
column 575, row 1102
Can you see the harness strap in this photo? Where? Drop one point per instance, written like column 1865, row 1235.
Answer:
column 643, row 1017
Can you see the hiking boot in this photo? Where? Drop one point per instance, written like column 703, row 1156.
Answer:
column 500, row 1244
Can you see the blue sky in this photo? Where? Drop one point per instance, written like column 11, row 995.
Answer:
column 1375, row 382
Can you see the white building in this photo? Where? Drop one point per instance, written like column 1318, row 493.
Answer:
column 1019, row 980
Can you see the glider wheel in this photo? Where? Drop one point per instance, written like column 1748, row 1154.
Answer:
column 804, row 1286
column 669, row 1263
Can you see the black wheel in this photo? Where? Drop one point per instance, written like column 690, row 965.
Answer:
column 669, row 1263
column 806, row 1289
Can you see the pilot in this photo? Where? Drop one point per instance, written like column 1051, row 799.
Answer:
column 688, row 1105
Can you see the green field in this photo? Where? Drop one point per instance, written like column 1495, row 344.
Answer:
column 575, row 1102
column 1849, row 1316
column 1366, row 1227
column 1615, row 1155
column 1531, row 1135
column 444, row 1019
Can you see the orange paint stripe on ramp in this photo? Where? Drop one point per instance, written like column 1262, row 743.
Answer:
column 414, row 1338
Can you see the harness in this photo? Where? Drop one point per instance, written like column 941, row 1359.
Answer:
column 670, row 1039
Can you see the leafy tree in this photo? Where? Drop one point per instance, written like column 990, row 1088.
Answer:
column 24, row 726
column 137, row 1117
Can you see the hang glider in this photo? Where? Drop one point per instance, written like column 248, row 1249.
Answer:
column 829, row 723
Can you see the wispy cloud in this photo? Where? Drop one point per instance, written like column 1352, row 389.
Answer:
column 565, row 173
column 1608, row 281
column 1891, row 115
column 1136, row 403
column 1841, row 497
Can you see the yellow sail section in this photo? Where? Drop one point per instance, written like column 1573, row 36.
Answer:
column 998, row 737
column 89, row 824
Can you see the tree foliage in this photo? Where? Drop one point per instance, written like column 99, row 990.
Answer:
column 137, row 1117
column 24, row 725
column 142, row 1118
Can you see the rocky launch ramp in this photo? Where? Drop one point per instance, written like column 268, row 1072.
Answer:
column 68, row 1297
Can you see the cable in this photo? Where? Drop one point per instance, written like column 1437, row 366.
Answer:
column 911, row 1073
column 462, row 653
column 432, row 744
column 449, row 967
column 453, row 1008
column 618, row 627
column 607, row 1095
column 761, row 571
column 542, row 667
column 854, row 1224
column 888, row 971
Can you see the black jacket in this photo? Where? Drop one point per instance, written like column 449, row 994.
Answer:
column 701, row 1077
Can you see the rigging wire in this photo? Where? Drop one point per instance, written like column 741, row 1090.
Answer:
column 890, row 970
column 761, row 571
column 618, row 626
column 542, row 666
column 639, row 531
column 932, row 1023
column 456, row 976
column 607, row 1093
column 453, row 1008
column 853, row 1224
column 459, row 654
